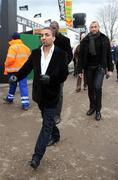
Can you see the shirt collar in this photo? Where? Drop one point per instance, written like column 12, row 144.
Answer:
column 51, row 49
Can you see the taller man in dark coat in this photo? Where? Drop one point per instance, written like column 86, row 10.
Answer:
column 95, row 59
column 63, row 43
column 50, row 70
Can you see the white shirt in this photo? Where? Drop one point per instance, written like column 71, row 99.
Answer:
column 45, row 61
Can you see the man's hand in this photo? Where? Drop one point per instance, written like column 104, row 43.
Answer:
column 81, row 75
column 45, row 79
column 13, row 79
column 108, row 74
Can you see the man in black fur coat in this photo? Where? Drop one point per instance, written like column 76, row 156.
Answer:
column 96, row 60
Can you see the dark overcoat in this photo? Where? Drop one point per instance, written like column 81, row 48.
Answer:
column 48, row 94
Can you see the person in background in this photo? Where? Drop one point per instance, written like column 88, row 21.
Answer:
column 96, row 60
column 116, row 60
column 76, row 57
column 50, row 70
column 17, row 55
column 75, row 73
column 114, row 51
column 63, row 43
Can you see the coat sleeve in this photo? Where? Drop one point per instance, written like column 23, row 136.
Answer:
column 116, row 54
column 63, row 69
column 10, row 59
column 80, row 57
column 69, row 50
column 76, row 53
column 26, row 68
column 110, row 65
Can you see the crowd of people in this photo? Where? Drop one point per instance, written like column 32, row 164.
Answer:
column 93, row 59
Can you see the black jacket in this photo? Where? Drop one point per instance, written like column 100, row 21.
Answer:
column 57, row 70
column 64, row 43
column 106, row 59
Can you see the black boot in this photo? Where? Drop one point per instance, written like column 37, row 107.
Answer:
column 90, row 111
column 98, row 116
column 35, row 163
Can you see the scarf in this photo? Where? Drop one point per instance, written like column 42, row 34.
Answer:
column 92, row 38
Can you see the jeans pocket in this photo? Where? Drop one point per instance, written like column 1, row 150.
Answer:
column 102, row 70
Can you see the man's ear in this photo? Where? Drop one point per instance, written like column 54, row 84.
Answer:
column 53, row 39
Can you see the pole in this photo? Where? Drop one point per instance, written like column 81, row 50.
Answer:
column 8, row 25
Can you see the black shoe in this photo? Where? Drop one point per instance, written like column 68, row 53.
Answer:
column 78, row 90
column 7, row 102
column 52, row 142
column 57, row 119
column 90, row 111
column 85, row 88
column 98, row 116
column 34, row 163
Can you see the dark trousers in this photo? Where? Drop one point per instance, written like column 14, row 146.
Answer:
column 79, row 81
column 48, row 129
column 117, row 69
column 60, row 102
column 95, row 78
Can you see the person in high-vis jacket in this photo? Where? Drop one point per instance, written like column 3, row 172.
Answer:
column 17, row 55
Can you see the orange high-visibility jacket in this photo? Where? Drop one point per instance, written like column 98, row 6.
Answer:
column 17, row 55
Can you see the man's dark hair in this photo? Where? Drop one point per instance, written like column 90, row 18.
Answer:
column 54, row 24
column 49, row 28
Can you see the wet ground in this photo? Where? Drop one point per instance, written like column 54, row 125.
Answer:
column 88, row 149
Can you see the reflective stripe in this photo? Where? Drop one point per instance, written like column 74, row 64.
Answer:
column 12, row 69
column 11, row 56
column 18, row 56
column 10, row 95
column 22, row 56
column 26, row 101
column 24, row 97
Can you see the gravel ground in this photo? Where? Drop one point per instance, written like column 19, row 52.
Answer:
column 88, row 149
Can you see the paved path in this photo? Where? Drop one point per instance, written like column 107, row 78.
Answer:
column 88, row 150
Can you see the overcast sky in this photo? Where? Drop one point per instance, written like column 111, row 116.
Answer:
column 50, row 10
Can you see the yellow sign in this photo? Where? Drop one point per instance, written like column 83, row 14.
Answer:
column 63, row 30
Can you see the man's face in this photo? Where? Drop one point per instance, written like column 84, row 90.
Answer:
column 94, row 28
column 47, row 38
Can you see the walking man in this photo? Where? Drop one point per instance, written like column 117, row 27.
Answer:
column 50, row 70
column 63, row 43
column 95, row 59
column 76, row 57
column 116, row 60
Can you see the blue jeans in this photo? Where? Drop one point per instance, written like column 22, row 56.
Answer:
column 95, row 78
column 48, row 124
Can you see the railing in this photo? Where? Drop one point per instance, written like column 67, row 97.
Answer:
column 28, row 23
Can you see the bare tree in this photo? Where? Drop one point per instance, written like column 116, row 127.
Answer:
column 108, row 18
